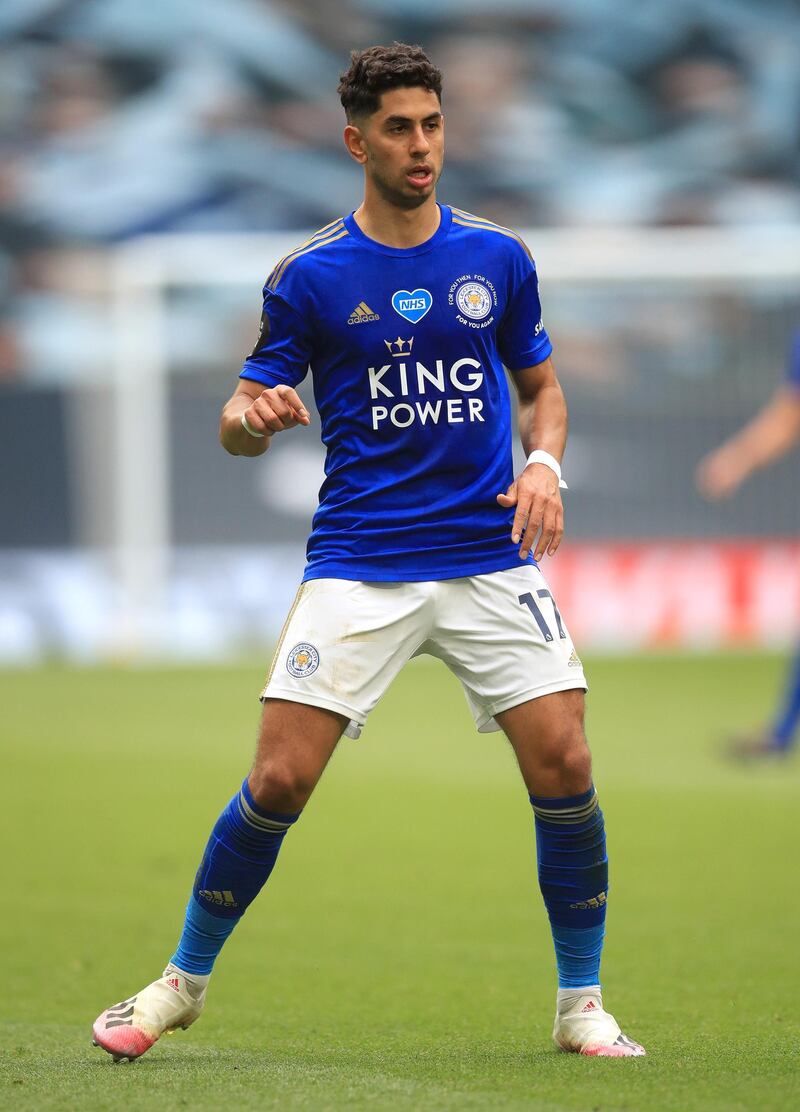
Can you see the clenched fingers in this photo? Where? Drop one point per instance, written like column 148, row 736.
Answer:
column 275, row 409
column 295, row 403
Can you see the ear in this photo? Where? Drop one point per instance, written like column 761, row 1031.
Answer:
column 355, row 143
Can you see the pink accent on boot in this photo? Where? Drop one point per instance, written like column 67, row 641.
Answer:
column 123, row 1041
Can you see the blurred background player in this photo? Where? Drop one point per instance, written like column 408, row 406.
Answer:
column 773, row 432
column 424, row 541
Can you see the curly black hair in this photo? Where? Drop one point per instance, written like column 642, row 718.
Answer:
column 379, row 68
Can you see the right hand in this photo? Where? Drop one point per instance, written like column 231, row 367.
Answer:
column 275, row 409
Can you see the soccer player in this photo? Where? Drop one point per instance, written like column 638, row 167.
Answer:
column 424, row 541
column 773, row 432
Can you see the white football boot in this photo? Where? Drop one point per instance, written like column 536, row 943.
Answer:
column 583, row 1026
column 129, row 1028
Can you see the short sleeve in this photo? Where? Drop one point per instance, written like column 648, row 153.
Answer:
column 522, row 340
column 283, row 348
column 793, row 365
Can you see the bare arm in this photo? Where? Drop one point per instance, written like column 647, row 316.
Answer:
column 266, row 411
column 771, row 433
column 535, row 492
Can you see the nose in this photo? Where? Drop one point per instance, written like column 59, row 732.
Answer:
column 419, row 142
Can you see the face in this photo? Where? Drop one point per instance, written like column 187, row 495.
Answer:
column 401, row 146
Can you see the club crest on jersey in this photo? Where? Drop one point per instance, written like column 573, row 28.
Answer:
column 474, row 298
column 412, row 305
column 302, row 661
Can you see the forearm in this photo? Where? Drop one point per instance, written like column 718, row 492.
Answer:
column 233, row 436
column 543, row 421
column 535, row 492
column 770, row 435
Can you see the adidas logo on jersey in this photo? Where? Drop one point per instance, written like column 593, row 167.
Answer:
column 362, row 314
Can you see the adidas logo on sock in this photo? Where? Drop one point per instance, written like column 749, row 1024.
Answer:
column 174, row 982
column 583, row 905
column 219, row 899
column 589, row 1007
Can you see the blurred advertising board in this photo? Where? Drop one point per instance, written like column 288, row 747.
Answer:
column 679, row 594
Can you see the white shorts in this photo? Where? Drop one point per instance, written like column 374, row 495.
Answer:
column 344, row 641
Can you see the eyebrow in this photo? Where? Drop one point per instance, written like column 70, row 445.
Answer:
column 408, row 119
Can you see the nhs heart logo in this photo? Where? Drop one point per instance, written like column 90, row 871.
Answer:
column 412, row 305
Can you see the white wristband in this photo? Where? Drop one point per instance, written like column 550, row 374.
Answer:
column 540, row 456
column 249, row 428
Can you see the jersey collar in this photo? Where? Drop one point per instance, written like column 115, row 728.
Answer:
column 445, row 217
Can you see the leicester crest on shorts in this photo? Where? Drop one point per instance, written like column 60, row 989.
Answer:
column 302, row 661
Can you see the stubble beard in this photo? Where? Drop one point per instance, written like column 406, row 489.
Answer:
column 397, row 197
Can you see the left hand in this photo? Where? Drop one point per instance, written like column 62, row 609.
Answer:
column 540, row 512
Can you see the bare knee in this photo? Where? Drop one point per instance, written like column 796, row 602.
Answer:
column 550, row 744
column 295, row 743
column 280, row 785
column 283, row 775
column 565, row 763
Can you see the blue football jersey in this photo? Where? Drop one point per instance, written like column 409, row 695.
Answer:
column 406, row 347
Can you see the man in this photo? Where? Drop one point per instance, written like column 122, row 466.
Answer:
column 773, row 432
column 406, row 311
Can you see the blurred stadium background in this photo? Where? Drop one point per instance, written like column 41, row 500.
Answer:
column 157, row 159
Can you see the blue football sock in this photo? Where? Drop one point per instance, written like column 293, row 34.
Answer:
column 238, row 859
column 573, row 877
column 785, row 727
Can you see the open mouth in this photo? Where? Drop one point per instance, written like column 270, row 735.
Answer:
column 420, row 176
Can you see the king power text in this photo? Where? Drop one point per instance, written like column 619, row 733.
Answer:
column 421, row 385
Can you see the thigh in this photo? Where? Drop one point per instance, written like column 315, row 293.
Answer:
column 344, row 642
column 504, row 637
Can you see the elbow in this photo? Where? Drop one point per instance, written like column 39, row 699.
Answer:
column 226, row 439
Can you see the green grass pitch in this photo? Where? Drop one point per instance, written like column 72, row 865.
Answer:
column 399, row 958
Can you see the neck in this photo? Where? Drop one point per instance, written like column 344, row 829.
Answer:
column 396, row 227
